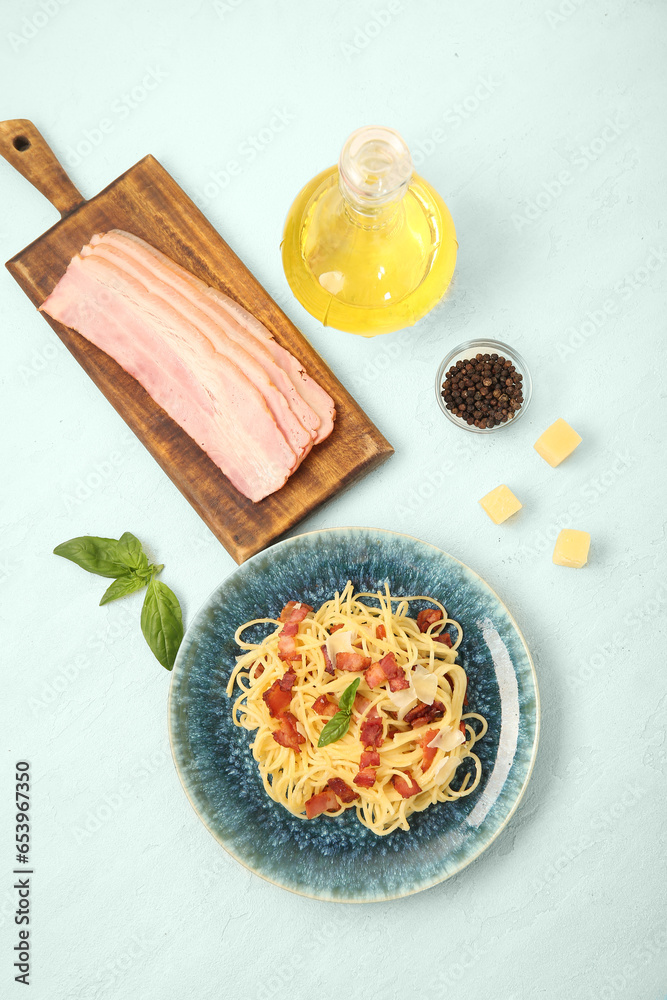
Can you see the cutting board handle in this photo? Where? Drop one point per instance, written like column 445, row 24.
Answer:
column 22, row 145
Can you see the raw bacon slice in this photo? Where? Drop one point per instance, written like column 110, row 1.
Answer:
column 342, row 790
column 165, row 301
column 325, row 801
column 324, row 707
column 352, row 661
column 428, row 617
column 406, row 786
column 288, row 735
column 317, row 411
column 370, row 733
column 209, row 397
column 365, row 778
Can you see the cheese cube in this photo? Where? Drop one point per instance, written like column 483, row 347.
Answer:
column 557, row 442
column 572, row 548
column 500, row 504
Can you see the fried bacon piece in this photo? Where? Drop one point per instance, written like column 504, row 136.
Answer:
column 287, row 735
column 328, row 665
column 294, row 612
column 428, row 617
column 287, row 680
column 324, row 801
column 427, row 751
column 387, row 669
column 342, row 790
column 277, row 699
column 369, row 758
column 370, row 733
column 422, row 714
column 360, row 703
column 365, row 778
column 334, row 628
column 324, row 707
column 407, row 786
column 445, row 637
column 352, row 661
column 259, row 670
column 292, row 615
column 380, row 632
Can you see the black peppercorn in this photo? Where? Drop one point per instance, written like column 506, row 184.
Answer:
column 484, row 390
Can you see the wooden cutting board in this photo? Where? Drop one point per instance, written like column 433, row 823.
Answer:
column 146, row 201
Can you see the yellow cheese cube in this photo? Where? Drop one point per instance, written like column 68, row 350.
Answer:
column 557, row 442
column 572, row 548
column 500, row 504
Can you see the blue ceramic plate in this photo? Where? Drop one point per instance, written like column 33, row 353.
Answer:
column 337, row 858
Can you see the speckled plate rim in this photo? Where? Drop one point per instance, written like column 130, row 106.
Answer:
column 190, row 637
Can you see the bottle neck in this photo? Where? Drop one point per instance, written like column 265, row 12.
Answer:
column 374, row 171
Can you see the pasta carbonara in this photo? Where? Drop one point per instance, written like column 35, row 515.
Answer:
column 378, row 690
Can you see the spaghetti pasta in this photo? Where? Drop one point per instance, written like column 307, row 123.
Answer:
column 408, row 729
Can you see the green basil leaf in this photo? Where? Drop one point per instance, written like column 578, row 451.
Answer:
column 102, row 556
column 347, row 698
column 130, row 549
column 335, row 728
column 162, row 622
column 122, row 586
column 340, row 723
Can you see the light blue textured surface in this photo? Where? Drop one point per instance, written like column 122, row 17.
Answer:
column 338, row 858
column 541, row 122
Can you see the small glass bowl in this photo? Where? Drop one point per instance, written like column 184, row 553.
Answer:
column 468, row 350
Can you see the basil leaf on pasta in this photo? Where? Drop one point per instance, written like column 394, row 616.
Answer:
column 347, row 697
column 340, row 723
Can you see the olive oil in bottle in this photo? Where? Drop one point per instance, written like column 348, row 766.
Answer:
column 369, row 246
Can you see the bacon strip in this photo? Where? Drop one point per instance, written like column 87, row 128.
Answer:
column 324, row 801
column 406, row 786
column 292, row 615
column 277, row 700
column 365, row 778
column 334, row 628
column 324, row 707
column 294, row 611
column 428, row 617
column 287, row 735
column 328, row 665
column 287, row 680
column 369, row 758
column 387, row 669
column 422, row 714
column 342, row 790
column 445, row 637
column 370, row 733
column 352, row 661
column 380, row 632
column 427, row 751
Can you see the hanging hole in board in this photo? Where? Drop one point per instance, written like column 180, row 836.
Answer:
column 21, row 143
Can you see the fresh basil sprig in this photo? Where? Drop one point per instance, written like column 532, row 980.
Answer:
column 126, row 562
column 339, row 724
